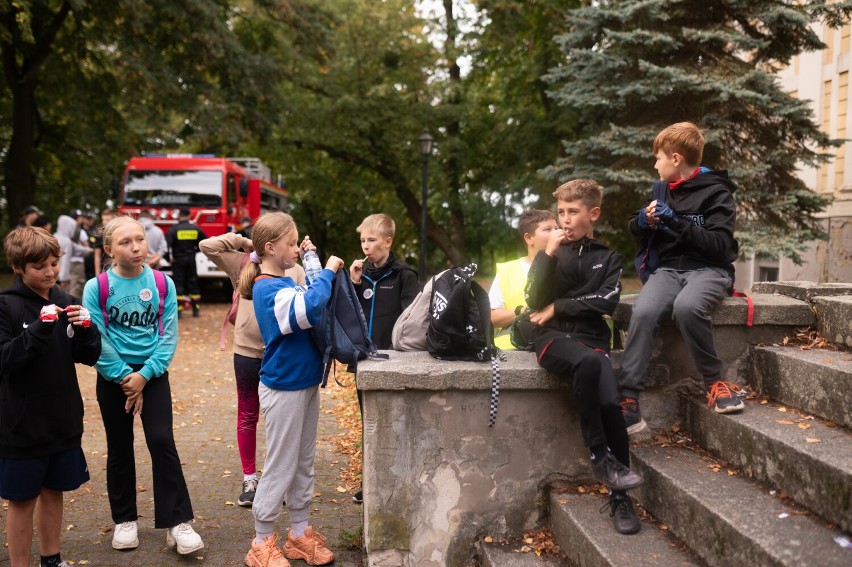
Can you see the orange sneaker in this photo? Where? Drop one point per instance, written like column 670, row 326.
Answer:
column 310, row 548
column 720, row 395
column 266, row 554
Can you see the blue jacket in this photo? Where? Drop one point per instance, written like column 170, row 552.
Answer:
column 285, row 312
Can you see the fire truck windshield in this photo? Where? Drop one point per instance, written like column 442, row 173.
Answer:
column 173, row 188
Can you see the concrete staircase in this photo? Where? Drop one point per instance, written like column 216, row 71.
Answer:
column 769, row 486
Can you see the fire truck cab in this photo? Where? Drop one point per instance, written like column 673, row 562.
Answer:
column 217, row 191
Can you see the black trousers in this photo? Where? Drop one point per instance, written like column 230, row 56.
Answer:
column 171, row 497
column 185, row 276
column 595, row 393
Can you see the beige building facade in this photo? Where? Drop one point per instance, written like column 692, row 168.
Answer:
column 821, row 77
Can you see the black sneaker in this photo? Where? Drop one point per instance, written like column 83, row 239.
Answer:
column 358, row 498
column 624, row 518
column 246, row 499
column 615, row 475
column 719, row 394
column 632, row 418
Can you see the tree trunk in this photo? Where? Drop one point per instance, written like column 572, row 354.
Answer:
column 18, row 170
column 456, row 210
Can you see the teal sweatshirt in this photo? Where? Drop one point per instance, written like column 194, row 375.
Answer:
column 133, row 334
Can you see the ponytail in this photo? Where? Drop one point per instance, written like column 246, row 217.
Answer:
column 247, row 277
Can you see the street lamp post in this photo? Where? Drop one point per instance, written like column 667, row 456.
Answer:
column 425, row 150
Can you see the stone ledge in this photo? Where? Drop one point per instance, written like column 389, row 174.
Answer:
column 770, row 310
column 802, row 291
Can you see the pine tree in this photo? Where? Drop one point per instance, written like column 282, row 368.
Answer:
column 633, row 67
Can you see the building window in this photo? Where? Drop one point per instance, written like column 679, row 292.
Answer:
column 768, row 274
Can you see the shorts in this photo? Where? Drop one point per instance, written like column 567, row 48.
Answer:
column 23, row 479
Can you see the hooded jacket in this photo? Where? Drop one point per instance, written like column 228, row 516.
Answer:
column 582, row 280
column 68, row 235
column 384, row 293
column 41, row 409
column 703, row 236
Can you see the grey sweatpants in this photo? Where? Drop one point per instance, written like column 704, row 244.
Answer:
column 291, row 418
column 689, row 298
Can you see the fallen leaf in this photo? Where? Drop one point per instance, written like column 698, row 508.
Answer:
column 488, row 539
column 803, row 425
column 785, row 422
column 341, row 489
column 782, row 409
column 812, row 439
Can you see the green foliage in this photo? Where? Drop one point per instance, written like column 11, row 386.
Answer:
column 632, row 67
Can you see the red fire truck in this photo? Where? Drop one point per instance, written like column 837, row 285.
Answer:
column 217, row 191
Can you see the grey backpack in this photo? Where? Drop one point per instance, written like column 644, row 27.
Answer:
column 409, row 332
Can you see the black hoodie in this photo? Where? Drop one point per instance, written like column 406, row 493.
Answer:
column 582, row 281
column 384, row 293
column 704, row 234
column 41, row 409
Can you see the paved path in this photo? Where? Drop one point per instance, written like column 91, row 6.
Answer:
column 204, row 396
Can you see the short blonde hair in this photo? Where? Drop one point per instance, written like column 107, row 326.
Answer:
column 684, row 138
column 380, row 223
column 585, row 190
column 30, row 245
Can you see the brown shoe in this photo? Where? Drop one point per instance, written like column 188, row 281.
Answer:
column 266, row 554
column 310, row 548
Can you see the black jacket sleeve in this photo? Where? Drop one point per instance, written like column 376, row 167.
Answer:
column 86, row 345
column 17, row 351
column 409, row 288
column 602, row 301
column 715, row 239
column 539, row 290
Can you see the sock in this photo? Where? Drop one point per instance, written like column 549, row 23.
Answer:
column 599, row 452
column 50, row 560
column 260, row 538
column 297, row 529
column 252, row 476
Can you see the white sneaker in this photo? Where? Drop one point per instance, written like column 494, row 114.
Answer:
column 125, row 536
column 184, row 538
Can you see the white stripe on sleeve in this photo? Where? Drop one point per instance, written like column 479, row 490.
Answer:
column 301, row 311
column 283, row 301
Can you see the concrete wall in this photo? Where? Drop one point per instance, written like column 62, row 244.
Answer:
column 437, row 479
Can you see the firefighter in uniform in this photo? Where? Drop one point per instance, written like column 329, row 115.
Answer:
column 183, row 239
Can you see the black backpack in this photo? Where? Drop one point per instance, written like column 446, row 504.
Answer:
column 341, row 333
column 460, row 325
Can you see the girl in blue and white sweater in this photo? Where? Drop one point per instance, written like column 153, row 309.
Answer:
column 290, row 375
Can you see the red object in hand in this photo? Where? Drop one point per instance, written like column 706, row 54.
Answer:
column 48, row 314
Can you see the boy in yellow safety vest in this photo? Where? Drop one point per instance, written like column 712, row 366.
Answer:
column 507, row 291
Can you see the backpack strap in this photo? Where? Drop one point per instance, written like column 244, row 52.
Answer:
column 484, row 306
column 660, row 192
column 162, row 290
column 103, row 293
column 329, row 322
column 750, row 313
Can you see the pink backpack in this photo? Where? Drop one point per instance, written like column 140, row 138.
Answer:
column 162, row 290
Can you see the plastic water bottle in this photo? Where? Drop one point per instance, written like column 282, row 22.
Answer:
column 312, row 265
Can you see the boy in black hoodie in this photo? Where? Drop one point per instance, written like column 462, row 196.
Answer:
column 385, row 285
column 696, row 248
column 571, row 285
column 43, row 332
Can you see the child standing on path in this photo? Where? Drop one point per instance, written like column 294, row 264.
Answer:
column 696, row 249
column 229, row 252
column 290, row 375
column 41, row 409
column 138, row 346
column 572, row 284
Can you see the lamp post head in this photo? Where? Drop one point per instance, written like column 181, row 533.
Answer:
column 425, row 143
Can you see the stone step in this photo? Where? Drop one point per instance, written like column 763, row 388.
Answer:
column 834, row 318
column 801, row 290
column 497, row 555
column 728, row 520
column 816, row 381
column 817, row 473
column 586, row 535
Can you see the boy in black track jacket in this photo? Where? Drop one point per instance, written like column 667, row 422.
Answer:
column 572, row 284
column 696, row 248
column 43, row 332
